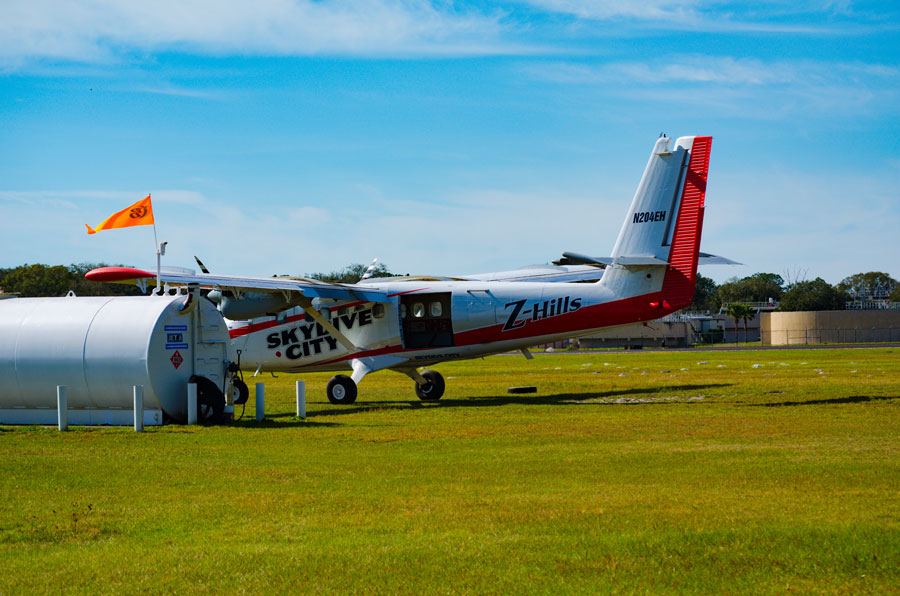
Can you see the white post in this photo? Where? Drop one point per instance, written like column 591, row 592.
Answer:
column 138, row 408
column 62, row 407
column 260, row 401
column 192, row 403
column 301, row 399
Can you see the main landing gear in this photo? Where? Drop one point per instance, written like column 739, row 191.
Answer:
column 433, row 388
column 341, row 389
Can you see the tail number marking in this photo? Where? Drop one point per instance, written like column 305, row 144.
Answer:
column 645, row 216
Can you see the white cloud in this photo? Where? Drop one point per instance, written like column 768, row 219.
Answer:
column 747, row 87
column 98, row 30
column 725, row 70
column 682, row 69
column 607, row 9
column 773, row 16
column 177, row 91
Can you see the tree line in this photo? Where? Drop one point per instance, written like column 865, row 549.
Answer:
column 58, row 280
column 802, row 295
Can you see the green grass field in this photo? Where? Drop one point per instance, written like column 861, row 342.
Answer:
column 764, row 472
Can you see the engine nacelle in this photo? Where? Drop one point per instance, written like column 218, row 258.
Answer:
column 250, row 304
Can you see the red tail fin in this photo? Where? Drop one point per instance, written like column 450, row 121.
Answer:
column 681, row 277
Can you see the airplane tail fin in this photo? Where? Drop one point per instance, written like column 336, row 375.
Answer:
column 659, row 244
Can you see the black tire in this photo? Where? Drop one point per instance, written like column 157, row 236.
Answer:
column 433, row 390
column 341, row 390
column 210, row 400
column 239, row 392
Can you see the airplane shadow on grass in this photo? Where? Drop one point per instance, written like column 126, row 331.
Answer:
column 279, row 421
column 853, row 399
column 556, row 399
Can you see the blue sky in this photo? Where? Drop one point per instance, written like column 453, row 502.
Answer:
column 289, row 137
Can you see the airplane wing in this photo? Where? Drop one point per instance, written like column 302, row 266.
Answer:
column 544, row 273
column 572, row 267
column 185, row 277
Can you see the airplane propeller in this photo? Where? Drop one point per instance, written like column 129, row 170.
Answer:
column 201, row 265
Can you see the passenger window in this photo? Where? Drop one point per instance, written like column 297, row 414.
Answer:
column 378, row 310
column 418, row 310
column 435, row 309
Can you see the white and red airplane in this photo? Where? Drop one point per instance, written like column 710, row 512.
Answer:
column 403, row 324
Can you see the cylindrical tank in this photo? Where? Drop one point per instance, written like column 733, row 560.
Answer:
column 100, row 347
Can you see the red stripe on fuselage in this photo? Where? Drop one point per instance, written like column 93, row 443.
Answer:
column 254, row 327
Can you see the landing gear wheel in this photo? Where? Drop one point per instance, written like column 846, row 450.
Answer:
column 239, row 392
column 433, row 390
column 341, row 390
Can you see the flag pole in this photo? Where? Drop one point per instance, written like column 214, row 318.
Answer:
column 158, row 255
column 158, row 258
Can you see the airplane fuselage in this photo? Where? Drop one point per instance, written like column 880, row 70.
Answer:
column 426, row 323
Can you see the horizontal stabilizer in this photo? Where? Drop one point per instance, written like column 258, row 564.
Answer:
column 574, row 258
column 579, row 259
column 708, row 259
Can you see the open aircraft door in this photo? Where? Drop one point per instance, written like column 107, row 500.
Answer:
column 426, row 320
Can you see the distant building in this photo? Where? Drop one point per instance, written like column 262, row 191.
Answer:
column 830, row 326
column 876, row 297
column 671, row 334
column 675, row 331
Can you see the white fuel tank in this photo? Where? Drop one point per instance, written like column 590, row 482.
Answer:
column 100, row 347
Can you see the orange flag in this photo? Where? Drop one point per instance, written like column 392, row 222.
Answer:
column 139, row 214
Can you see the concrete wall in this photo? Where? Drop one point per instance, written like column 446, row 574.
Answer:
column 830, row 326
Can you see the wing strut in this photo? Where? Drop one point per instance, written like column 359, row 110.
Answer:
column 306, row 304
